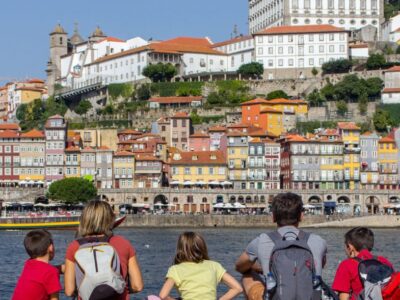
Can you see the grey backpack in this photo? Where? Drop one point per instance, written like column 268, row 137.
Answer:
column 292, row 265
column 98, row 270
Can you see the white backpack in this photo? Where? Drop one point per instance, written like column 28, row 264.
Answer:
column 98, row 270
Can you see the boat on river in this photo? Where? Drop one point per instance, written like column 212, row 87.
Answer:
column 53, row 222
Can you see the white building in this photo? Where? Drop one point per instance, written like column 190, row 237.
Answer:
column 74, row 71
column 391, row 30
column 112, row 61
column 292, row 51
column 240, row 51
column 359, row 50
column 391, row 92
column 347, row 14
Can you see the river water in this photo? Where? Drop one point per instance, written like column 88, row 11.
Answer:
column 156, row 248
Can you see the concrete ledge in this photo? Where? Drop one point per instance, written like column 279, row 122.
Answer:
column 369, row 221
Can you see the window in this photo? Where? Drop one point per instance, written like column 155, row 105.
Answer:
column 199, row 171
column 270, row 50
column 187, row 171
column 321, row 49
column 290, row 62
column 280, row 62
column 311, row 61
column 331, row 37
column 290, row 50
column 311, row 49
column 260, row 39
column 280, row 50
column 341, row 48
column 270, row 39
column 321, row 37
column 280, row 39
column 331, row 4
column 295, row 4
column 270, row 63
column 260, row 50
column 306, row 4
column 331, row 48
column 290, row 38
column 311, row 38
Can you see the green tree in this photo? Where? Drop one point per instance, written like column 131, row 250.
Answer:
column 160, row 72
column 124, row 90
column 398, row 50
column 143, row 92
column 22, row 112
column 253, row 69
column 83, row 107
column 315, row 98
column 215, row 99
column 277, row 95
column 72, row 190
column 341, row 107
column 376, row 61
column 349, row 89
column 363, row 103
column 374, row 86
column 328, row 92
column 337, row 66
column 196, row 119
column 314, row 71
column 382, row 120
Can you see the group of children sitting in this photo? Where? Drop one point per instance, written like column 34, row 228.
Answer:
column 196, row 277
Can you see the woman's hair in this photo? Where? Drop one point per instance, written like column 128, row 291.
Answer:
column 97, row 219
column 191, row 247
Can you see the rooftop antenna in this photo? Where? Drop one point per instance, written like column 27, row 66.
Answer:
column 235, row 31
column 76, row 27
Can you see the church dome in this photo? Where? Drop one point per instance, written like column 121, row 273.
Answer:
column 76, row 37
column 58, row 29
column 98, row 32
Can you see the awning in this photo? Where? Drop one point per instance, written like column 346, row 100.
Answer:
column 219, row 205
column 308, row 206
column 228, row 206
column 200, row 183
column 214, row 183
column 227, row 183
column 239, row 205
column 175, row 182
column 188, row 183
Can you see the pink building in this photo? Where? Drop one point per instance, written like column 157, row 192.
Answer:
column 216, row 134
column 56, row 135
column 199, row 141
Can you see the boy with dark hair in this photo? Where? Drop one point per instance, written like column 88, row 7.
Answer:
column 287, row 212
column 39, row 280
column 359, row 243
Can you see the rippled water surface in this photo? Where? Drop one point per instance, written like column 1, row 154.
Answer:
column 156, row 247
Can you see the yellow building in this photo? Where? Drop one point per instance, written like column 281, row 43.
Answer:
column 350, row 134
column 237, row 157
column 96, row 138
column 273, row 120
column 388, row 163
column 72, row 162
column 197, row 168
column 331, row 164
column 32, row 157
column 28, row 94
column 298, row 107
column 124, row 169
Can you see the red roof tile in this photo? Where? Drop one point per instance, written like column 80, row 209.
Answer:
column 386, row 140
column 270, row 110
column 146, row 157
column 217, row 129
column 72, row 149
column 9, row 134
column 88, row 149
column 180, row 115
column 123, row 153
column 286, row 101
column 391, row 90
column 103, row 148
column 348, row 126
column 232, row 41
column 130, row 131
column 198, row 158
column 393, row 69
column 299, row 29
column 33, row 134
column 255, row 102
column 199, row 135
column 9, row 126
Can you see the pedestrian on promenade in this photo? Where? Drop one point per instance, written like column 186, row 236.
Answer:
column 262, row 267
column 97, row 248
column 196, row 276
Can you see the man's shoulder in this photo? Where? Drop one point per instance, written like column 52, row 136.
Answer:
column 317, row 239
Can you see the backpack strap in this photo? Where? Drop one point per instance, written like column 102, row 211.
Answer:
column 94, row 239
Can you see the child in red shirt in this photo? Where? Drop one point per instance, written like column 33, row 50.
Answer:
column 39, row 280
column 359, row 242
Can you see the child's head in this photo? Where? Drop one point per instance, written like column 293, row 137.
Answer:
column 191, row 247
column 359, row 238
column 39, row 243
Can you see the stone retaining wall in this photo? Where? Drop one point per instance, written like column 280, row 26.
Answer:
column 242, row 221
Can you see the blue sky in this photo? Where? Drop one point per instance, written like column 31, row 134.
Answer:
column 25, row 25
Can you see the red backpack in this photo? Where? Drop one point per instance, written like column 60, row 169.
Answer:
column 392, row 290
column 380, row 277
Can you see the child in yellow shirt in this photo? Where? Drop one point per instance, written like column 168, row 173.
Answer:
column 196, row 276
